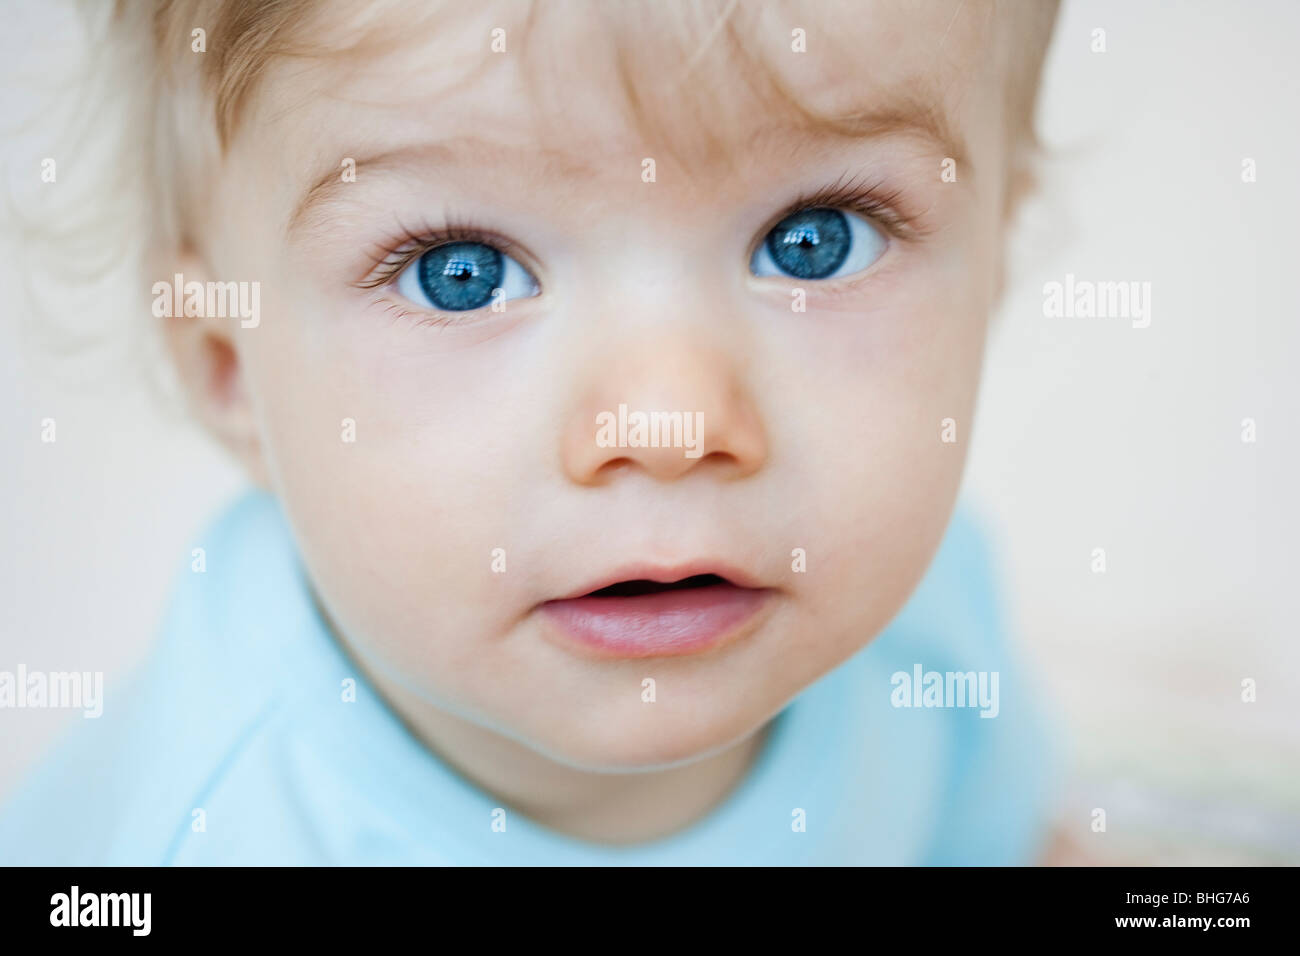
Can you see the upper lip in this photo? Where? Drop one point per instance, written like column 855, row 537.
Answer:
column 667, row 574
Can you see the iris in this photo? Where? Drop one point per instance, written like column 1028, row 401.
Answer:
column 811, row 243
column 460, row 276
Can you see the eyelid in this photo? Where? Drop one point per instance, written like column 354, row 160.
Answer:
column 407, row 312
column 867, row 197
column 388, row 258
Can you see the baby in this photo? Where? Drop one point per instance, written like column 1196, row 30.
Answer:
column 606, row 373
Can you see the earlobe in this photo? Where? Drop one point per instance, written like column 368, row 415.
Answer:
column 201, row 341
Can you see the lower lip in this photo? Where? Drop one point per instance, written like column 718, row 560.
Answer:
column 664, row 624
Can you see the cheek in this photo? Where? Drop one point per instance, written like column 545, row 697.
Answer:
column 396, row 474
column 875, row 389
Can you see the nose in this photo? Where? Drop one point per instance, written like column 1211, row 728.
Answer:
column 667, row 404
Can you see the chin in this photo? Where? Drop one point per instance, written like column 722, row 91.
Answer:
column 653, row 741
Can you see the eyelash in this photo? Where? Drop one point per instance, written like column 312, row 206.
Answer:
column 868, row 198
column 390, row 256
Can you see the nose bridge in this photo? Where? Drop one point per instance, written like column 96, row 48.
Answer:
column 658, row 276
column 668, row 252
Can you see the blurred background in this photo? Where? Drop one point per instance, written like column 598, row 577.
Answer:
column 1091, row 433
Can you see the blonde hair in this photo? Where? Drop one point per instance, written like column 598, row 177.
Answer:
column 245, row 37
column 175, row 113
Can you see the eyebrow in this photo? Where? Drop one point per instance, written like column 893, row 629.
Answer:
column 907, row 116
column 462, row 151
column 911, row 117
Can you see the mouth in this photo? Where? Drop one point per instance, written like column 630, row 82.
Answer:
column 658, row 613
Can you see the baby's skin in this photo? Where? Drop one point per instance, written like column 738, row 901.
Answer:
column 479, row 237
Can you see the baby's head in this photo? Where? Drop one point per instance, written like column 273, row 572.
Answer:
column 491, row 240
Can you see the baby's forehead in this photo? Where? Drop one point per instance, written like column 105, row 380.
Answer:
column 696, row 83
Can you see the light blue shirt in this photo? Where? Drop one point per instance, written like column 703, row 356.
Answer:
column 234, row 745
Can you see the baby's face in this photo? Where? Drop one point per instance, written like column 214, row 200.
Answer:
column 814, row 303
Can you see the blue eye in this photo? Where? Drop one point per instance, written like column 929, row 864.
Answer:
column 462, row 276
column 818, row 244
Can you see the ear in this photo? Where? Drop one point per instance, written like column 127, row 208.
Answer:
column 1021, row 183
column 208, row 364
